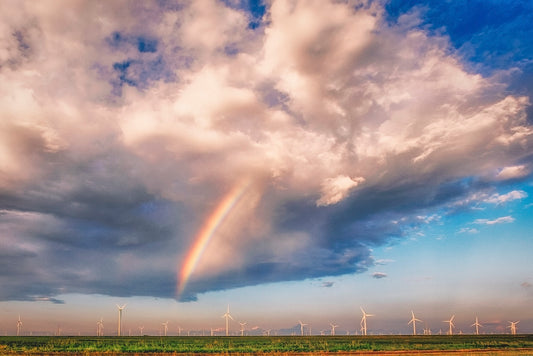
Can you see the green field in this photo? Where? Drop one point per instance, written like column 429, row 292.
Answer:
column 259, row 345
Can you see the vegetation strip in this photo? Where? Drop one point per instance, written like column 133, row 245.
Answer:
column 262, row 345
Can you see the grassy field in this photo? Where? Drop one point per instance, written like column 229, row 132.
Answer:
column 259, row 345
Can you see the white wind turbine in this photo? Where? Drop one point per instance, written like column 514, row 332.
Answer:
column 242, row 328
column 451, row 324
column 100, row 327
column 19, row 326
column 165, row 327
column 413, row 320
column 477, row 325
column 363, row 321
column 333, row 326
column 267, row 331
column 141, row 330
column 179, row 330
column 227, row 316
column 301, row 327
column 427, row 330
column 513, row 326
column 120, row 309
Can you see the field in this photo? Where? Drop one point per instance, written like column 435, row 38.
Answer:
column 43, row 345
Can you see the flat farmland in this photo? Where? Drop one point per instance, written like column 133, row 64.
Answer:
column 286, row 345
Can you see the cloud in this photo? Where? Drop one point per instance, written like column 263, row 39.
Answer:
column 500, row 220
column 467, row 230
column 513, row 172
column 379, row 275
column 118, row 141
column 526, row 285
column 383, row 262
column 504, row 198
column 336, row 189
column 327, row 284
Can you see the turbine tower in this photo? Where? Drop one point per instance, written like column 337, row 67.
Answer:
column 165, row 327
column 363, row 321
column 427, row 330
column 451, row 324
column 513, row 326
column 141, row 329
column 333, row 326
column 100, row 327
column 301, row 327
column 19, row 326
column 228, row 317
column 179, row 330
column 120, row 309
column 242, row 328
column 477, row 325
column 413, row 320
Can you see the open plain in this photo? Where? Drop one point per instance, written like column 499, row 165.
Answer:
column 275, row 345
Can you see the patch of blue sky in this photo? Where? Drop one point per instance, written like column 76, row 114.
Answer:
column 255, row 8
column 493, row 34
column 140, row 73
column 143, row 43
column 138, row 70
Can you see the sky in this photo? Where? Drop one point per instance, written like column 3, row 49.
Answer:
column 293, row 160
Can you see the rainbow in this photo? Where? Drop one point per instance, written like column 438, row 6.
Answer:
column 207, row 232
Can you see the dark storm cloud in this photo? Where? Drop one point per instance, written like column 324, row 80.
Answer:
column 307, row 264
column 78, row 218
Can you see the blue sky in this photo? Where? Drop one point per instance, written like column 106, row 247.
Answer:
column 377, row 156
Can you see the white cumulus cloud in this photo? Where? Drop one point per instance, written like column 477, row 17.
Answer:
column 500, row 220
column 504, row 198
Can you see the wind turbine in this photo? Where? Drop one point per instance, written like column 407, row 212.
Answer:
column 268, row 331
column 100, row 327
column 513, row 326
column 227, row 316
column 19, row 326
column 179, row 330
column 363, row 321
column 165, row 327
column 141, row 329
column 452, row 325
column 413, row 320
column 301, row 327
column 333, row 326
column 242, row 328
column 477, row 325
column 120, row 309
